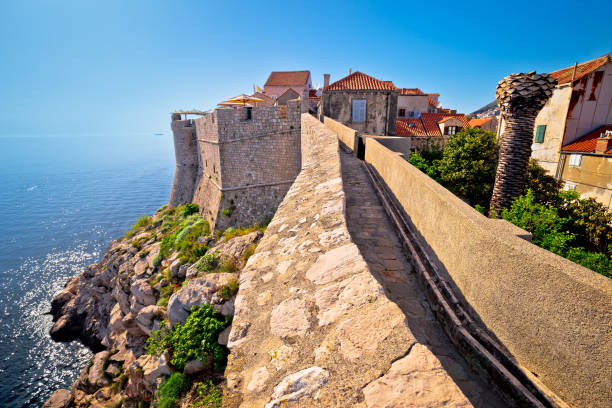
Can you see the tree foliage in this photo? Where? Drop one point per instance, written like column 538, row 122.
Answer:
column 468, row 164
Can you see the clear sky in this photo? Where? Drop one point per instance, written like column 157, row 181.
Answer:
column 107, row 66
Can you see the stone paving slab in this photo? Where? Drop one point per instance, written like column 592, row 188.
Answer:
column 322, row 322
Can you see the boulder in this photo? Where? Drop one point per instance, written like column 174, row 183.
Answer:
column 149, row 318
column 59, row 399
column 174, row 268
column 142, row 293
column 196, row 293
column 236, row 247
column 193, row 368
column 97, row 376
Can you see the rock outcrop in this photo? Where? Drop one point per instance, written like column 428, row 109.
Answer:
column 115, row 305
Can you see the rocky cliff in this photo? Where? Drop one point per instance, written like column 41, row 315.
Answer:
column 150, row 279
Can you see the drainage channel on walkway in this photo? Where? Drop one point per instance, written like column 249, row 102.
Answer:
column 373, row 232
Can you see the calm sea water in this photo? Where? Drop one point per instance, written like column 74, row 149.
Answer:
column 62, row 200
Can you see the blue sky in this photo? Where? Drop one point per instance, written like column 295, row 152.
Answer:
column 122, row 66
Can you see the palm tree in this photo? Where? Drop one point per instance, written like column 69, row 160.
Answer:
column 520, row 98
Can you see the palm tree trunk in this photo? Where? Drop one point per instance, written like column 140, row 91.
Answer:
column 520, row 98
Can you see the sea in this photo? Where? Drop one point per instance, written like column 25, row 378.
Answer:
column 63, row 199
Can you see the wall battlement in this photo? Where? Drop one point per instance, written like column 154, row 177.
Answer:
column 237, row 163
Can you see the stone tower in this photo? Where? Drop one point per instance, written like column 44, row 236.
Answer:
column 237, row 163
column 520, row 98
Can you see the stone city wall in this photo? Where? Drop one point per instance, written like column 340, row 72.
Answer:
column 346, row 135
column 313, row 327
column 551, row 314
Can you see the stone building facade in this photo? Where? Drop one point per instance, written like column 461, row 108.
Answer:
column 363, row 103
column 237, row 163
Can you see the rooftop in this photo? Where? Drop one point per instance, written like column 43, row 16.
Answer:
column 411, row 91
column 359, row 81
column 587, row 143
column 288, row 78
column 427, row 124
column 480, row 122
column 565, row 75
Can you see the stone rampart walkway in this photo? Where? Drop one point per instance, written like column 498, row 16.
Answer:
column 431, row 372
column 325, row 318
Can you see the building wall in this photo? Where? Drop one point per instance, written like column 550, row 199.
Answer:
column 591, row 104
column 593, row 178
column 490, row 125
column 187, row 162
column 552, row 115
column 274, row 90
column 381, row 110
column 414, row 103
column 244, row 166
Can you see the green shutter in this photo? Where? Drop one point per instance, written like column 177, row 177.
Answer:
column 540, row 132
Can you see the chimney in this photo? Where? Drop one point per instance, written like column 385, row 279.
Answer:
column 325, row 81
column 604, row 143
column 350, row 69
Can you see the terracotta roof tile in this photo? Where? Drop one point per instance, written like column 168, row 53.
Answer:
column 432, row 102
column 431, row 120
column 411, row 91
column 565, row 75
column 288, row 78
column 479, row 122
column 409, row 127
column 360, row 81
column 587, row 142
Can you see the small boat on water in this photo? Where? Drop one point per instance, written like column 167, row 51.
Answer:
column 159, row 134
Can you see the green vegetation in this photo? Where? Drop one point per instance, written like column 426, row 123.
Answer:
column 142, row 222
column 227, row 212
column 466, row 166
column 237, row 232
column 120, row 382
column 182, row 228
column 560, row 221
column 195, row 339
column 208, row 262
column 209, row 396
column 171, row 390
column 230, row 290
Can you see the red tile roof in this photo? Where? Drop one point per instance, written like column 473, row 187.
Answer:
column 409, row 127
column 588, row 142
column 288, row 78
column 431, row 120
column 267, row 100
column 359, row 81
column 426, row 125
column 312, row 94
column 480, row 122
column 565, row 75
column 411, row 91
column 432, row 102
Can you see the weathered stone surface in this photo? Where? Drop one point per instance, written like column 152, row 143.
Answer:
column 335, row 264
column 195, row 293
column 297, row 385
column 258, row 379
column 289, row 319
column 142, row 293
column 59, row 399
column 193, row 367
column 417, row 380
column 96, row 372
column 149, row 318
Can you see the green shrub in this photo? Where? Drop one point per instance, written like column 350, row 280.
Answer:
column 142, row 222
column 188, row 209
column 227, row 212
column 208, row 262
column 228, row 266
column 195, row 339
column 120, row 382
column 595, row 261
column 209, row 396
column 157, row 260
column 232, row 232
column 248, row 252
column 171, row 390
column 543, row 222
column 229, row 290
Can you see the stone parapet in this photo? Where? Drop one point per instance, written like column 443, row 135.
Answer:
column 552, row 315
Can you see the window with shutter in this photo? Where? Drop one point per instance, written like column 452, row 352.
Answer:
column 540, row 132
column 359, row 110
column 402, row 112
column 575, row 160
